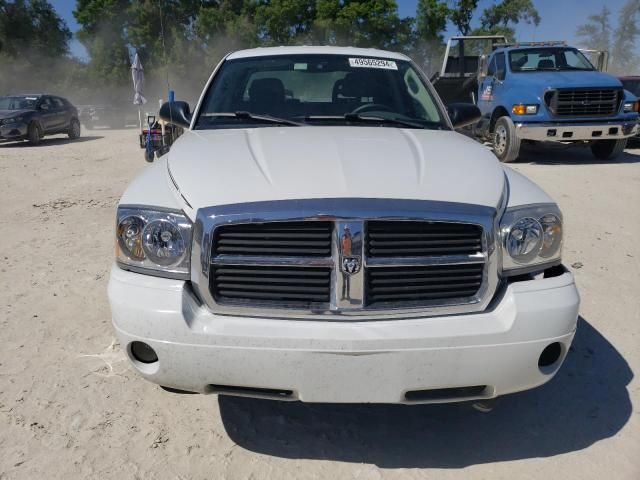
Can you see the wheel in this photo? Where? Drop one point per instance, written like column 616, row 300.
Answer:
column 74, row 129
column 149, row 156
column 608, row 149
column 34, row 134
column 506, row 144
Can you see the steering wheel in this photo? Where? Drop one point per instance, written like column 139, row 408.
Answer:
column 372, row 107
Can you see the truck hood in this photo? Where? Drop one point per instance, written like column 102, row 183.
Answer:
column 218, row 167
column 570, row 79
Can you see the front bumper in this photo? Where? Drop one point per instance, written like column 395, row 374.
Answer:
column 568, row 132
column 350, row 361
column 13, row 131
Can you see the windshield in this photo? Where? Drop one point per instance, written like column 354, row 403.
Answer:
column 633, row 86
column 318, row 89
column 548, row 58
column 18, row 102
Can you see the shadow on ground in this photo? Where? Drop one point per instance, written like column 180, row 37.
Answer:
column 581, row 155
column 50, row 141
column 586, row 402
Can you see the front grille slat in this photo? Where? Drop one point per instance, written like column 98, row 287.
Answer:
column 422, row 279
column 584, row 102
column 298, row 272
column 303, row 298
column 283, row 251
column 411, row 252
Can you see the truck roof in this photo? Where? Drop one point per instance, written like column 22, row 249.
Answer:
column 309, row 50
column 531, row 45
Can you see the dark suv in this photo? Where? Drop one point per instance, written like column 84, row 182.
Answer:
column 31, row 117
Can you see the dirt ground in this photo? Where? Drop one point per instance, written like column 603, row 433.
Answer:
column 70, row 406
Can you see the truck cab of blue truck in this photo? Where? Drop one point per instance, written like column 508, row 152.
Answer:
column 537, row 92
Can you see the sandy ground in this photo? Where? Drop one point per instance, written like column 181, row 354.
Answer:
column 70, row 406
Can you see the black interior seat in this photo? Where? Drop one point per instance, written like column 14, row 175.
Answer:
column 267, row 95
column 545, row 63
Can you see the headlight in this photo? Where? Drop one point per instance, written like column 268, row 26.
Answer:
column 531, row 238
column 9, row 121
column 153, row 241
column 631, row 106
column 522, row 109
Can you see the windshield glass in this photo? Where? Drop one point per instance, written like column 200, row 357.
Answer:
column 633, row 86
column 319, row 89
column 548, row 58
column 18, row 102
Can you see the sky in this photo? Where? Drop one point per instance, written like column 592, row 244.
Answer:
column 559, row 19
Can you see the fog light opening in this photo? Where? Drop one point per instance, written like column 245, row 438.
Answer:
column 143, row 353
column 550, row 357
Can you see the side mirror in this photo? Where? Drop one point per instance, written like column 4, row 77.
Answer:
column 603, row 61
column 463, row 114
column 483, row 67
column 177, row 113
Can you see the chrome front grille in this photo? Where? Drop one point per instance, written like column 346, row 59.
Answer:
column 366, row 257
column 584, row 102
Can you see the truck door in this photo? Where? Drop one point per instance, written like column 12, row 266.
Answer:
column 491, row 86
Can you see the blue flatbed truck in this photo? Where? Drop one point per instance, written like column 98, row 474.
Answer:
column 537, row 92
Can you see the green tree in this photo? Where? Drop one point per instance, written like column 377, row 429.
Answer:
column 500, row 18
column 362, row 23
column 103, row 29
column 282, row 22
column 32, row 28
column 596, row 33
column 624, row 61
column 431, row 19
column 33, row 47
column 461, row 14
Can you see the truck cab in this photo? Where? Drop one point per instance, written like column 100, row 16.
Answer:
column 546, row 92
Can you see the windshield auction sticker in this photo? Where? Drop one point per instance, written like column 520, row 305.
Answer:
column 373, row 63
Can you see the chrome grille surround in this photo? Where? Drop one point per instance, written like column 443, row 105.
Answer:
column 352, row 212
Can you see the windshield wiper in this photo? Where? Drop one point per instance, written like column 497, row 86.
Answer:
column 357, row 117
column 569, row 67
column 242, row 115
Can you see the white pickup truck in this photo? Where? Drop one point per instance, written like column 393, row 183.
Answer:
column 321, row 233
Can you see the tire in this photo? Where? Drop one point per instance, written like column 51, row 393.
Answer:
column 74, row 129
column 34, row 133
column 608, row 149
column 506, row 144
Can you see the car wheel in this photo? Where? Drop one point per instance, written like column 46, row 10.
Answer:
column 608, row 149
column 34, row 134
column 74, row 129
column 506, row 144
